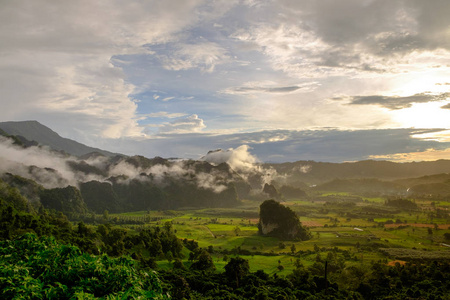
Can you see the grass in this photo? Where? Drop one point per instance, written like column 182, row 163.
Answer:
column 332, row 226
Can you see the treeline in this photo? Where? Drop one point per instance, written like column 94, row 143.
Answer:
column 104, row 238
column 378, row 281
column 121, row 195
column 43, row 267
column 116, row 196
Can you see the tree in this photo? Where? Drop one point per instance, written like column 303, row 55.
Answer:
column 447, row 236
column 293, row 249
column 204, row 262
column 178, row 264
column 237, row 230
column 67, row 200
column 83, row 230
column 169, row 256
column 236, row 269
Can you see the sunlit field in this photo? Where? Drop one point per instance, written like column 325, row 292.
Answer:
column 338, row 227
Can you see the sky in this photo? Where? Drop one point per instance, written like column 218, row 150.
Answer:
column 329, row 80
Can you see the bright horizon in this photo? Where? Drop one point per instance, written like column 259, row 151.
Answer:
column 294, row 80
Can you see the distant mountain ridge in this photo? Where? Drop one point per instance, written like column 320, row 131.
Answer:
column 35, row 131
column 306, row 172
column 312, row 172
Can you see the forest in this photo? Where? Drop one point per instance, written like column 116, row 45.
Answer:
column 166, row 229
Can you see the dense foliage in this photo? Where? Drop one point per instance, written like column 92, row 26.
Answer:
column 404, row 204
column 280, row 221
column 47, row 252
column 67, row 200
column 33, row 265
column 37, row 268
column 379, row 281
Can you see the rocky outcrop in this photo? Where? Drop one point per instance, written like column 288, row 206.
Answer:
column 279, row 221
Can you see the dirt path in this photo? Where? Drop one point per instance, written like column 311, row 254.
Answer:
column 209, row 230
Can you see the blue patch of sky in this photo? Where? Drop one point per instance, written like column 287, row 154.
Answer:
column 194, row 91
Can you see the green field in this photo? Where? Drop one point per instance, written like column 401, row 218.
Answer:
column 360, row 229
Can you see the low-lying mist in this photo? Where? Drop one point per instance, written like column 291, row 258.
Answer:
column 215, row 171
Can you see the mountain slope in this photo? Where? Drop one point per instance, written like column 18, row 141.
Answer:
column 35, row 131
column 312, row 172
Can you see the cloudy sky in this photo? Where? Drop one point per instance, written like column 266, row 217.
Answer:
column 330, row 80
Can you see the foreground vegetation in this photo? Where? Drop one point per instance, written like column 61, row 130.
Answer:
column 139, row 228
column 356, row 246
column 359, row 249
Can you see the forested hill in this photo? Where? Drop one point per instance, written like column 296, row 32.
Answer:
column 35, row 131
column 319, row 172
column 309, row 172
column 120, row 183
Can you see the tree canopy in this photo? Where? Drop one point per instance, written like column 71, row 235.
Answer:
column 279, row 221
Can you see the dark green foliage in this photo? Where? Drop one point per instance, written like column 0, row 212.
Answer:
column 145, row 196
column 100, row 196
column 185, row 194
column 67, row 272
column 190, row 244
column 439, row 188
column 447, row 236
column 38, row 268
column 292, row 192
column 203, row 262
column 236, row 269
column 83, row 167
column 271, row 191
column 403, row 204
column 67, row 200
column 28, row 188
column 379, row 281
column 280, row 221
column 158, row 242
column 13, row 197
column 316, row 172
column 416, row 255
column 139, row 161
column 364, row 186
column 15, row 222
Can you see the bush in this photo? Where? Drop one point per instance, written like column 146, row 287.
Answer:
column 42, row 268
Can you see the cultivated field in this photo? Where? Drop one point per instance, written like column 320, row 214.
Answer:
column 358, row 233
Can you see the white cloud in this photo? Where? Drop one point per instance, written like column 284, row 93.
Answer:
column 56, row 60
column 93, row 70
column 183, row 125
column 239, row 159
column 182, row 56
column 47, row 168
column 164, row 114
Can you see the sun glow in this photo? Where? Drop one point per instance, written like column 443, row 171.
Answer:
column 423, row 115
column 427, row 155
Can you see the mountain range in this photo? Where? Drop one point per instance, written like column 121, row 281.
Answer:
column 35, row 131
column 75, row 178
